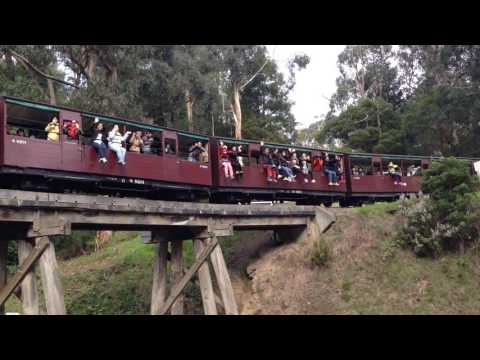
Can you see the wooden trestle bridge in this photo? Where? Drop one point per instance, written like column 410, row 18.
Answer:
column 30, row 218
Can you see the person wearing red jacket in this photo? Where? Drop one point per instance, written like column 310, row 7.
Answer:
column 72, row 129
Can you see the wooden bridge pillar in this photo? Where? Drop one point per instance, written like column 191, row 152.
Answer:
column 30, row 252
column 205, row 247
column 206, row 285
column 52, row 286
column 159, row 288
column 3, row 268
column 29, row 284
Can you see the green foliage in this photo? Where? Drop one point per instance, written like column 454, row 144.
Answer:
column 152, row 83
column 432, row 93
column 377, row 209
column 321, row 253
column 79, row 243
column 446, row 220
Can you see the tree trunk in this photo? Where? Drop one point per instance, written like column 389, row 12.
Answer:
column 91, row 63
column 379, row 122
column 360, row 84
column 112, row 74
column 237, row 111
column 189, row 103
column 51, row 92
column 10, row 66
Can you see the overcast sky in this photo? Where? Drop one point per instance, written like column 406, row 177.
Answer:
column 314, row 84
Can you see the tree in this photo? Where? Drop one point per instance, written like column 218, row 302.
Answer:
column 242, row 65
column 446, row 221
column 39, row 62
column 367, row 126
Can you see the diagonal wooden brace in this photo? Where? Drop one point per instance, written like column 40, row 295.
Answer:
column 23, row 270
column 177, row 289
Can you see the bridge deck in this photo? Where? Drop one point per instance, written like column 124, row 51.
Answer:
column 54, row 211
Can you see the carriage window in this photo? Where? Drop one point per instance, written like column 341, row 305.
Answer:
column 170, row 146
column 376, row 168
column 32, row 123
column 144, row 141
column 192, row 149
column 412, row 168
column 360, row 166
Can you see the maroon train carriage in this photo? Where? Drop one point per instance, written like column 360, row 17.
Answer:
column 33, row 162
column 373, row 182
column 253, row 184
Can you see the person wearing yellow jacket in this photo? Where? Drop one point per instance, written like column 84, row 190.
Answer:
column 53, row 130
column 396, row 174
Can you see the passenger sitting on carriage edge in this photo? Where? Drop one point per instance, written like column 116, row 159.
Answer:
column 239, row 156
column 330, row 169
column 99, row 140
column 269, row 165
column 225, row 161
column 233, row 157
column 396, row 174
column 306, row 168
column 284, row 168
column 115, row 140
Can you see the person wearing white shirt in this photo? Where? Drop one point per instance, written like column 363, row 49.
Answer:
column 115, row 140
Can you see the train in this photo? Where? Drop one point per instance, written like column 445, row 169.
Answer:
column 31, row 162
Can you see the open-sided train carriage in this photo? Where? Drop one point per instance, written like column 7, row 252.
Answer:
column 71, row 164
column 33, row 162
column 253, row 184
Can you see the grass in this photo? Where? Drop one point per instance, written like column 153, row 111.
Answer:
column 376, row 209
column 373, row 276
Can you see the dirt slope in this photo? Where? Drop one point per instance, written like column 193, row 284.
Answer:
column 365, row 275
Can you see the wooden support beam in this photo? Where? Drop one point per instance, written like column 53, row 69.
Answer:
column 5, row 293
column 159, row 287
column 29, row 292
column 206, row 285
column 223, row 281
column 52, row 287
column 178, row 288
column 177, row 274
column 3, row 269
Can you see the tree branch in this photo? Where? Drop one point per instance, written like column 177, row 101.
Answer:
column 254, row 75
column 23, row 60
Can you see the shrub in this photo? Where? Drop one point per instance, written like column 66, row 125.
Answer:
column 445, row 221
column 79, row 243
column 321, row 253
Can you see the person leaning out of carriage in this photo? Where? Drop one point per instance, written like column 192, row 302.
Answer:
column 99, row 140
column 53, row 130
column 396, row 174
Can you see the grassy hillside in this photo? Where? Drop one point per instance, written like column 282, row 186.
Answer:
column 365, row 274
